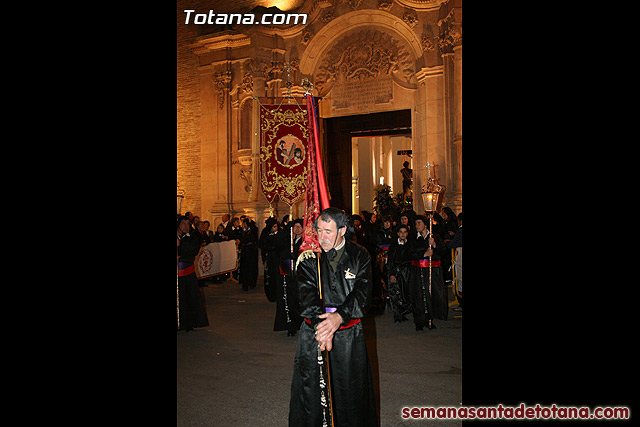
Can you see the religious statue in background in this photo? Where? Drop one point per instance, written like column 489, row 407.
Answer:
column 407, row 180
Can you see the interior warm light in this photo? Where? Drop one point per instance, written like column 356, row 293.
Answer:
column 285, row 5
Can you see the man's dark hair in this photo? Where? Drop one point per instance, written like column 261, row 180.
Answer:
column 337, row 215
column 182, row 218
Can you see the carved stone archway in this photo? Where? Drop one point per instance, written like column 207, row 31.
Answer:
column 336, row 29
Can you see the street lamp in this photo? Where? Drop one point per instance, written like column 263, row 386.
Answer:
column 181, row 194
column 430, row 194
column 430, row 200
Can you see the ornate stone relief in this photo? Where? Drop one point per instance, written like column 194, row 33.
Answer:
column 427, row 44
column 245, row 173
column 450, row 33
column 222, row 81
column 363, row 54
column 307, row 35
column 410, row 18
column 385, row 4
column 247, row 83
column 327, row 17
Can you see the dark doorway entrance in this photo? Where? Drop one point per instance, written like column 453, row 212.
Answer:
column 338, row 132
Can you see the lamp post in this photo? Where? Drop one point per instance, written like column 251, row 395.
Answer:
column 430, row 195
column 181, row 194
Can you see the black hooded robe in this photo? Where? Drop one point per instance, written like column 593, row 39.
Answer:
column 193, row 313
column 399, row 291
column 437, row 306
column 287, row 310
column 348, row 289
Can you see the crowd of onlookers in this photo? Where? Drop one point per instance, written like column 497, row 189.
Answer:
column 376, row 233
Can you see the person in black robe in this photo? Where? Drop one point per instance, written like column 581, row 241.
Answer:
column 345, row 269
column 287, row 307
column 439, row 229
column 219, row 235
column 427, row 304
column 398, row 262
column 248, row 274
column 383, row 236
column 192, row 312
column 450, row 223
column 270, row 257
column 235, row 232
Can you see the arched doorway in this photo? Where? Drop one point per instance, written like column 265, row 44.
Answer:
column 339, row 133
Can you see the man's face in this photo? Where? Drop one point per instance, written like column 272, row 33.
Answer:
column 297, row 229
column 402, row 234
column 328, row 234
column 184, row 226
column 225, row 218
column 420, row 225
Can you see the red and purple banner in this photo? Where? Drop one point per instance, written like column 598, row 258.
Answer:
column 284, row 135
column 315, row 184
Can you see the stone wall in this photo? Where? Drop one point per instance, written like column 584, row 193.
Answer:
column 364, row 56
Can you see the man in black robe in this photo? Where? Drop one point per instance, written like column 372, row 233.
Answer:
column 287, row 310
column 192, row 310
column 270, row 256
column 248, row 255
column 428, row 301
column 345, row 269
column 398, row 263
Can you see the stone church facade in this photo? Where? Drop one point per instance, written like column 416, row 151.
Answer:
column 362, row 56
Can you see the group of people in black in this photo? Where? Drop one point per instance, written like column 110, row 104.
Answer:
column 411, row 266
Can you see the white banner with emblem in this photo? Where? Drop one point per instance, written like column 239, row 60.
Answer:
column 216, row 258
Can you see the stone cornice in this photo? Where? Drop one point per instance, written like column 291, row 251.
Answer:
column 422, row 5
column 427, row 72
column 210, row 44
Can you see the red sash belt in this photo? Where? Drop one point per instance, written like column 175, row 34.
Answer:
column 186, row 271
column 425, row 263
column 349, row 324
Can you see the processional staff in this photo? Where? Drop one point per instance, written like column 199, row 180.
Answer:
column 430, row 192
column 324, row 355
column 314, row 151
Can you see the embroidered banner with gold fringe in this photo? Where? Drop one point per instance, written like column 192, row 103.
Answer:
column 284, row 135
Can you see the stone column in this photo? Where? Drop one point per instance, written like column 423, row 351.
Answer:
column 457, row 119
column 450, row 43
column 216, row 150
column 429, row 142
